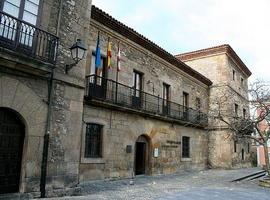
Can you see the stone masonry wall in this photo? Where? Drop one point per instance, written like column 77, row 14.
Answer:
column 121, row 129
column 219, row 68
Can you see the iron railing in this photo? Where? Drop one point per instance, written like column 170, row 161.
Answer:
column 27, row 39
column 110, row 91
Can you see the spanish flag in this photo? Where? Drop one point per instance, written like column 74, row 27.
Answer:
column 109, row 54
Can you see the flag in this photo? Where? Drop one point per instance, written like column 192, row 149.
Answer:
column 119, row 59
column 98, row 55
column 109, row 54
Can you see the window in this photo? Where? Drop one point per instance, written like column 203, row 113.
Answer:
column 235, row 146
column 93, row 141
column 26, row 10
column 137, row 83
column 94, row 70
column 244, row 113
column 185, row 99
column 198, row 103
column 185, row 147
column 242, row 81
column 166, row 92
column 233, row 75
column 243, row 154
column 236, row 110
column 248, row 147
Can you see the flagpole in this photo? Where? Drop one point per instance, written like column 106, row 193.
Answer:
column 116, row 79
column 117, row 70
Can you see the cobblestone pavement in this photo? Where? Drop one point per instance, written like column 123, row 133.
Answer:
column 204, row 185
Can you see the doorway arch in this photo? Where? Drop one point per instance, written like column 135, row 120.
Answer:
column 142, row 155
column 12, row 133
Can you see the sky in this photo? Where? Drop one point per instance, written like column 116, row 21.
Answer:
column 181, row 26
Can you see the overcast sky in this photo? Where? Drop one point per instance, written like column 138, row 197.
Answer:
column 180, row 26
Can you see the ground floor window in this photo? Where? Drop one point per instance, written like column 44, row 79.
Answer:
column 185, row 147
column 93, row 141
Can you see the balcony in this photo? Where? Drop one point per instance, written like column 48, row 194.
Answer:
column 26, row 42
column 106, row 92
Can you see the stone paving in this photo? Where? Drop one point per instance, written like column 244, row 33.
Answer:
column 204, row 185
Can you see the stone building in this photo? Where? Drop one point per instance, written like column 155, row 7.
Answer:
column 230, row 81
column 61, row 129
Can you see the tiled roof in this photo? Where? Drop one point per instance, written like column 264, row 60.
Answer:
column 225, row 48
column 108, row 21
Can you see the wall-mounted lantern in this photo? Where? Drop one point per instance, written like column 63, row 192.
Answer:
column 78, row 51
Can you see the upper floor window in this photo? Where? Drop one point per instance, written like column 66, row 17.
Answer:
column 10, row 29
column 95, row 71
column 236, row 110
column 166, row 92
column 242, row 81
column 244, row 113
column 93, row 141
column 185, row 147
column 27, row 10
column 137, row 83
column 185, row 99
column 234, row 75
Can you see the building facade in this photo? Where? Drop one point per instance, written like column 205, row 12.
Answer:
column 62, row 129
column 229, row 96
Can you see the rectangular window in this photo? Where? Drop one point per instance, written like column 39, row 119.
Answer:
column 166, row 92
column 236, row 110
column 93, row 141
column 185, row 99
column 26, row 10
column 248, row 147
column 242, row 81
column 234, row 75
column 185, row 147
column 235, row 146
column 244, row 113
column 137, row 83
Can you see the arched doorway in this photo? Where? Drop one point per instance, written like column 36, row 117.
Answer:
column 12, row 132
column 142, row 149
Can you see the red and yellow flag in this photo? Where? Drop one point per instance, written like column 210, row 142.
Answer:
column 109, row 55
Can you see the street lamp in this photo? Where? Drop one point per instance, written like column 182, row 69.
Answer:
column 78, row 51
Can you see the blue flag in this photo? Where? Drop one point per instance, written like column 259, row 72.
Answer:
column 98, row 55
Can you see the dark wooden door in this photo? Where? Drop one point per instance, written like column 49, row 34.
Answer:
column 11, row 146
column 140, row 158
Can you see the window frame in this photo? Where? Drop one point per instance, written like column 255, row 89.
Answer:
column 166, row 89
column 236, row 109
column 100, row 153
column 136, row 74
column 185, row 99
column 234, row 75
column 21, row 10
column 188, row 156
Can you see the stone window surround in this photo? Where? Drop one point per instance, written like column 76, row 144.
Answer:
column 92, row 160
column 190, row 149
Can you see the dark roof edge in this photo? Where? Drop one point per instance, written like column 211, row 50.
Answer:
column 225, row 48
column 108, row 21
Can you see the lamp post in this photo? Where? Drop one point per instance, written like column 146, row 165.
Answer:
column 78, row 51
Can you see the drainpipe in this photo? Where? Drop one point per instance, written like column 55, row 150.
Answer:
column 48, row 124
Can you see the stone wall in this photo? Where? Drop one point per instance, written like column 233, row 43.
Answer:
column 153, row 68
column 227, row 92
column 121, row 129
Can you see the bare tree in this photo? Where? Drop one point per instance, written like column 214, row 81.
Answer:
column 255, row 126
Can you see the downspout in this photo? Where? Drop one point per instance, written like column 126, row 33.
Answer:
column 48, row 124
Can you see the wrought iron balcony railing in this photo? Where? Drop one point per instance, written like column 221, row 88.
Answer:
column 106, row 90
column 23, row 37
